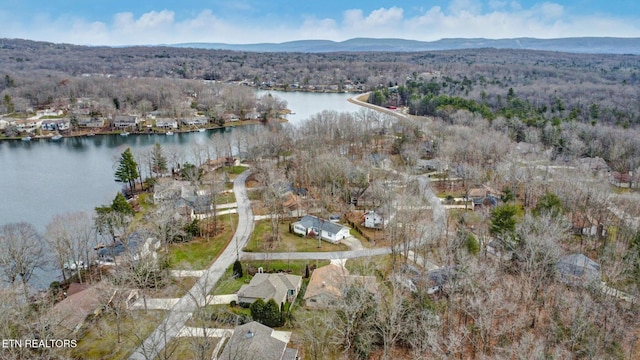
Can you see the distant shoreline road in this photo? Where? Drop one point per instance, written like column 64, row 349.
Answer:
column 357, row 101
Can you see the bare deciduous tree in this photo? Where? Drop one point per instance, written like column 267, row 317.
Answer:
column 22, row 253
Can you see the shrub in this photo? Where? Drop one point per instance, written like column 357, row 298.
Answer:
column 237, row 269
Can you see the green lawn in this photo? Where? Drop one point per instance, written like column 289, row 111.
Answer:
column 375, row 265
column 254, row 194
column 198, row 253
column 192, row 347
column 225, row 198
column 173, row 288
column 218, row 316
column 145, row 202
column 235, row 170
column 101, row 339
column 288, row 242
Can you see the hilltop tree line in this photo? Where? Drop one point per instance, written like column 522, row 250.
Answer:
column 545, row 86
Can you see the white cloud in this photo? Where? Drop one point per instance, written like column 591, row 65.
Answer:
column 550, row 10
column 460, row 18
column 465, row 7
column 355, row 19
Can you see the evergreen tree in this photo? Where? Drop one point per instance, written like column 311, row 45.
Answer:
column 268, row 313
column 548, row 203
column 503, row 222
column 127, row 171
column 121, row 205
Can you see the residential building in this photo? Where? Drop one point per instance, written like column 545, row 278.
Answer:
column 195, row 121
column 27, row 125
column 578, row 270
column 91, row 122
column 55, row 124
column 313, row 226
column 167, row 123
column 254, row 341
column 49, row 112
column 81, row 303
column 280, row 287
column 328, row 284
column 375, row 219
column 125, row 121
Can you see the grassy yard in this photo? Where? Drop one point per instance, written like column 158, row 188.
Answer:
column 234, row 170
column 174, row 288
column 376, row 265
column 192, row 347
column 288, row 242
column 226, row 198
column 254, row 194
column 219, row 316
column 198, row 253
column 101, row 339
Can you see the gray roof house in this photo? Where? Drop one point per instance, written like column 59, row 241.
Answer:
column 280, row 287
column 125, row 121
column 314, row 226
column 254, row 341
column 577, row 269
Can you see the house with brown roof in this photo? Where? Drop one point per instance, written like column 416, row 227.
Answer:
column 328, row 283
column 254, row 341
column 279, row 287
column 81, row 303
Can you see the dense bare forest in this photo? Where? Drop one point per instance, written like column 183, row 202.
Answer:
column 507, row 179
column 586, row 87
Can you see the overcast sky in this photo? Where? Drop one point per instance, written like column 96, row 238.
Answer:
column 150, row 22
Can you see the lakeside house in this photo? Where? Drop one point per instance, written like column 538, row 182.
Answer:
column 56, row 124
column 167, row 123
column 27, row 125
column 83, row 302
column 195, row 121
column 125, row 121
column 91, row 122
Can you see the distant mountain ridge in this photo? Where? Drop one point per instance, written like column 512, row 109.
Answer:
column 595, row 45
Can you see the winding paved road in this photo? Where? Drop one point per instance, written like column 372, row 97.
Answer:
column 181, row 311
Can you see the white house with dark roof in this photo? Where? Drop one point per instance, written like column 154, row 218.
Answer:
column 167, row 123
column 314, row 226
column 56, row 124
column 279, row 287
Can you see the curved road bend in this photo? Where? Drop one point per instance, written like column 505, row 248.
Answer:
column 181, row 311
